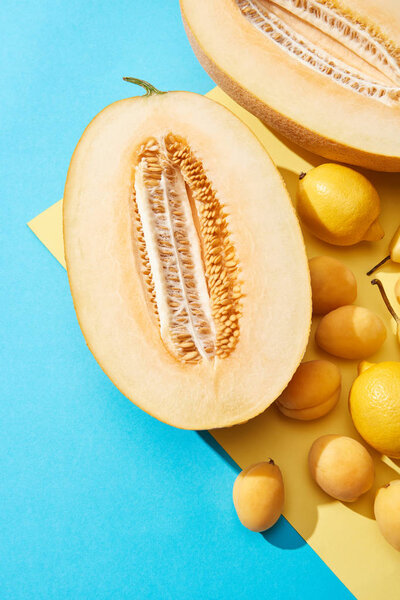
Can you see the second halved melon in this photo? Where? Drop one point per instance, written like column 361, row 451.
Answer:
column 324, row 73
column 185, row 259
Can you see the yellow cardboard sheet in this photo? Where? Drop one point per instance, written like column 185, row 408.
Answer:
column 346, row 537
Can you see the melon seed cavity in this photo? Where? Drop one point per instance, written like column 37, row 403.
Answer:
column 326, row 38
column 187, row 260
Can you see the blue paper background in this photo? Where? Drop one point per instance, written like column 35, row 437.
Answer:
column 97, row 499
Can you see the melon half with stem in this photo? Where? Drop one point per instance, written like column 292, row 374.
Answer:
column 185, row 259
column 324, row 73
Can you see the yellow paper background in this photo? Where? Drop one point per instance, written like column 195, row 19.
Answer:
column 346, row 537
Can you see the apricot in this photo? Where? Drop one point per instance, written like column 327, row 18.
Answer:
column 387, row 512
column 313, row 391
column 341, row 466
column 258, row 495
column 351, row 332
column 332, row 284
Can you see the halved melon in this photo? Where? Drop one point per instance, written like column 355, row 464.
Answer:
column 185, row 260
column 324, row 73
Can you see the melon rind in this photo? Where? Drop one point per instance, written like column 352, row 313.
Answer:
column 305, row 107
column 107, row 289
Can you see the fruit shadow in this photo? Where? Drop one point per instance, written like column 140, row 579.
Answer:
column 385, row 469
column 383, row 179
column 291, row 179
column 213, row 444
column 384, row 472
column 344, row 253
column 306, row 155
column 385, row 183
column 282, row 534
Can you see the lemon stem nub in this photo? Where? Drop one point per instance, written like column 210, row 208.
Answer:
column 150, row 89
column 378, row 282
column 380, row 263
column 302, row 175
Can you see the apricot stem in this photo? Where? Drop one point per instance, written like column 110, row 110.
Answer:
column 382, row 262
column 378, row 282
column 150, row 89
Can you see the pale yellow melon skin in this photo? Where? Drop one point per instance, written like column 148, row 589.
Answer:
column 293, row 129
column 109, row 297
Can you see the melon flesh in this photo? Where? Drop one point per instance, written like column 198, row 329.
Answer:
column 324, row 73
column 185, row 260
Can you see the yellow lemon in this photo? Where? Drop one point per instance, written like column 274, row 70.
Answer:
column 339, row 205
column 375, row 406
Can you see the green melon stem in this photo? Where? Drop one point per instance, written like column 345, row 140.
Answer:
column 150, row 89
